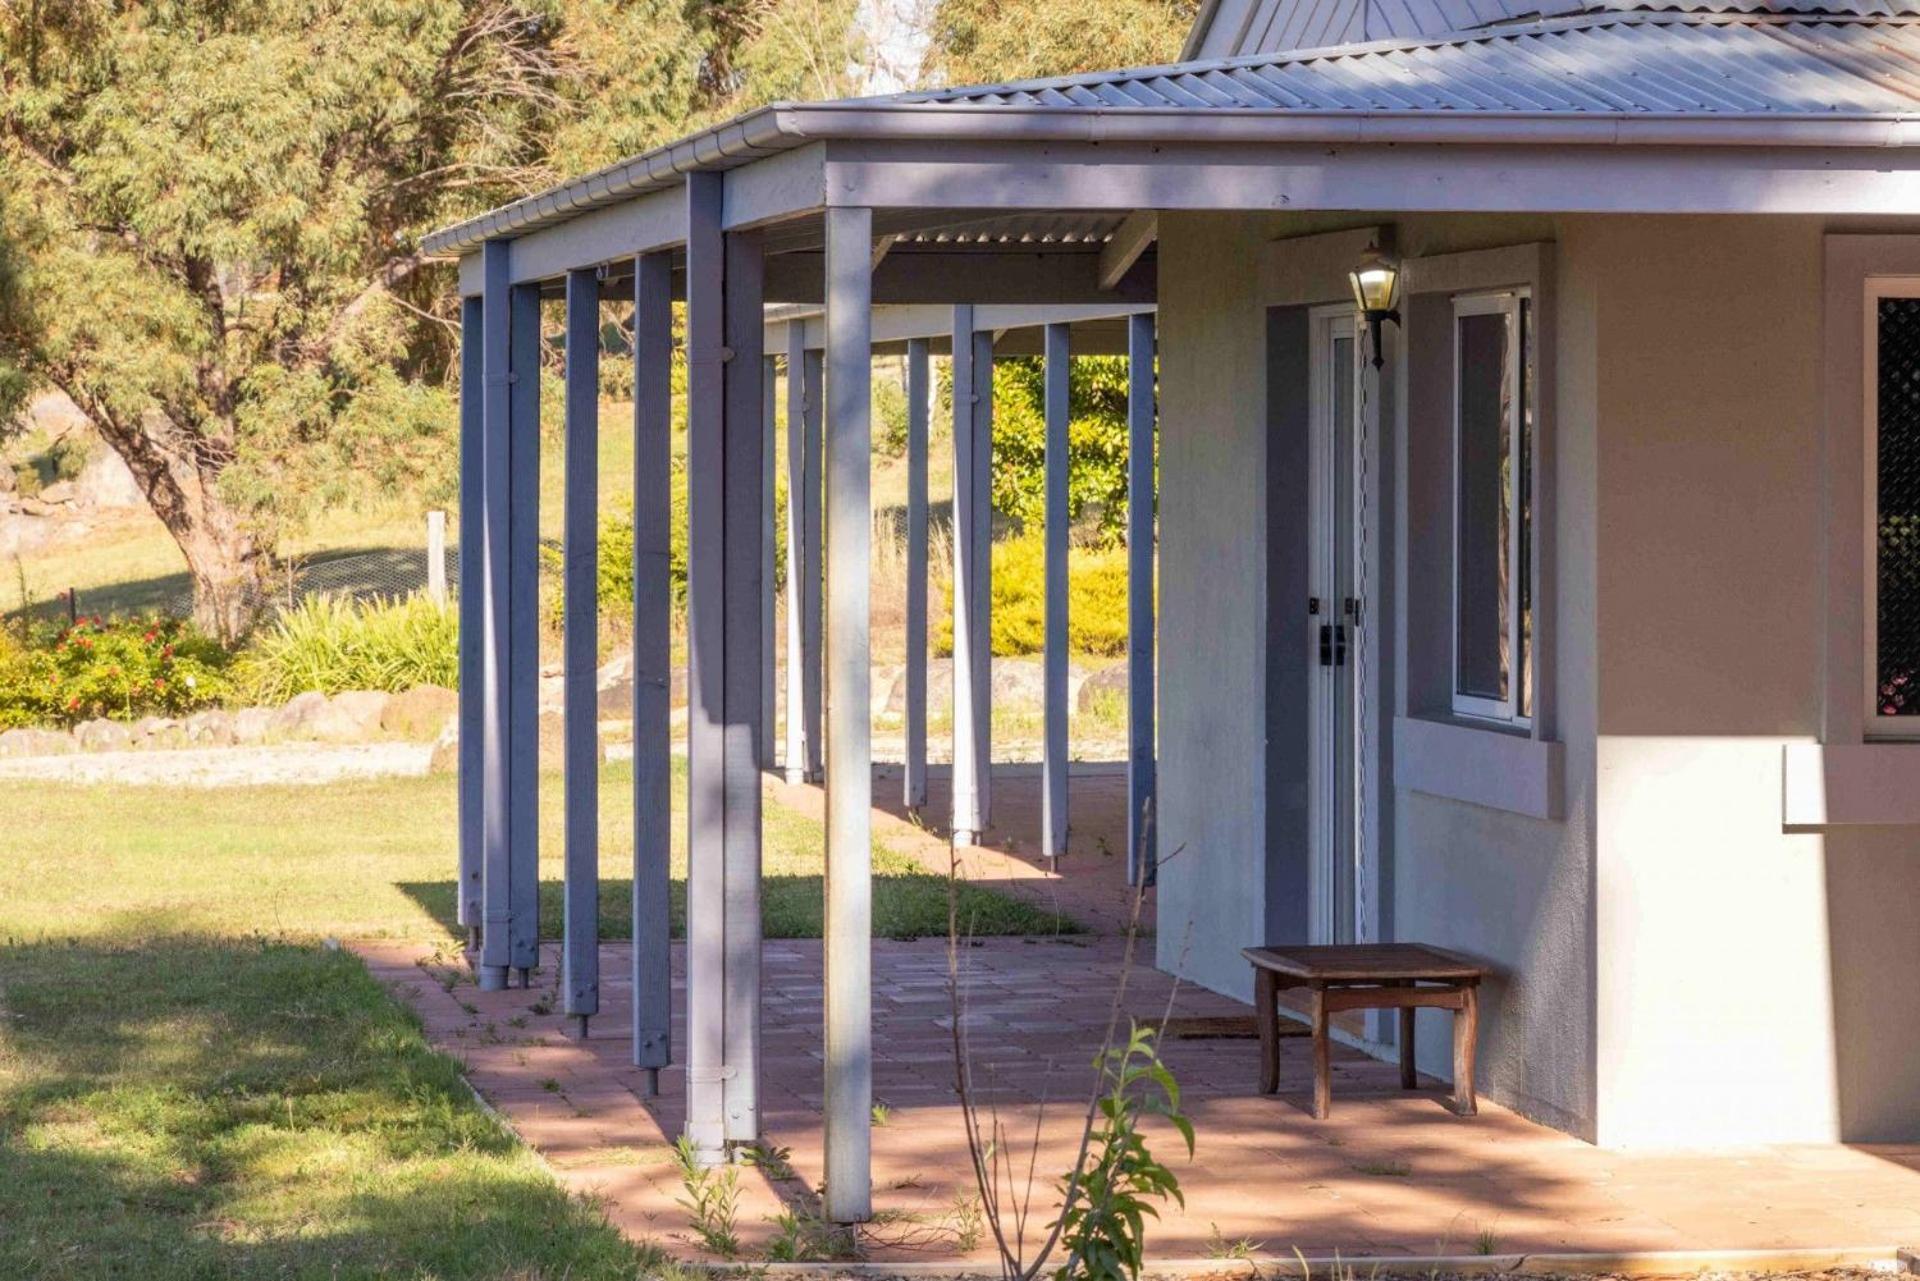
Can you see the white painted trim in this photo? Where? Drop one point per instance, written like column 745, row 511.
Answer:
column 1876, row 725
column 1838, row 785
column 1509, row 304
column 1503, row 771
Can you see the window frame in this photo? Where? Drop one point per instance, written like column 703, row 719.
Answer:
column 1875, row 725
column 1514, row 303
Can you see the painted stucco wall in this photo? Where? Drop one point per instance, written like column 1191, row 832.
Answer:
column 1212, row 601
column 1747, row 987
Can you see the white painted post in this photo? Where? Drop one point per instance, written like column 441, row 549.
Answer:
column 798, row 567
column 1141, row 676
column 745, row 452
column 495, row 712
column 813, row 544
column 706, row 672
column 472, row 612
column 652, row 670
column 437, row 555
column 972, row 570
column 849, row 947
column 916, row 727
column 769, row 724
column 523, row 627
column 1053, row 793
column 580, row 642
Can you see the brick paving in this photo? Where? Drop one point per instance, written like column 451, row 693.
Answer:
column 1389, row 1174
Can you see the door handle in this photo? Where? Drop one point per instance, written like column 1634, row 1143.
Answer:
column 1340, row 645
column 1326, row 644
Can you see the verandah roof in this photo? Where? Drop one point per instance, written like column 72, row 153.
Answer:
column 1604, row 77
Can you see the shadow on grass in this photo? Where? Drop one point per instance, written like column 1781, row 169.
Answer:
column 191, row 1106
column 361, row 572
column 906, row 905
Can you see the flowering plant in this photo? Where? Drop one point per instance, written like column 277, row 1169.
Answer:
column 122, row 668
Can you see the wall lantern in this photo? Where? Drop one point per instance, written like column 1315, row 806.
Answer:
column 1376, row 287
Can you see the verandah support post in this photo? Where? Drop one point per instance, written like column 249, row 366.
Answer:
column 706, row 672
column 580, row 584
column 495, row 712
column 523, row 627
column 813, row 540
column 1053, row 792
column 798, row 555
column 769, row 725
column 849, row 879
column 652, row 674
column 472, row 611
column 1141, row 673
column 972, row 570
column 916, row 727
column 745, row 452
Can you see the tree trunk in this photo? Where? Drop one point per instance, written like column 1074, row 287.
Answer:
column 179, row 471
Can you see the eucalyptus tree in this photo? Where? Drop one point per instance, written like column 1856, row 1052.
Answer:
column 210, row 214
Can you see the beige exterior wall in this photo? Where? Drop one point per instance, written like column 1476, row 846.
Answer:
column 1675, row 967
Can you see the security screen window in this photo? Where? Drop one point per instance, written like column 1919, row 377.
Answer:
column 1493, row 499
column 1894, row 489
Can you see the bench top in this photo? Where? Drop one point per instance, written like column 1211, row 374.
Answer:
column 1366, row 963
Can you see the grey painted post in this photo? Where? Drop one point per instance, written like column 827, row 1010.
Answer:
column 813, row 543
column 1053, row 792
column 472, row 612
column 916, row 769
column 769, row 725
column 652, row 671
column 849, row 947
column 706, row 671
column 495, row 862
column 523, row 628
column 580, row 584
column 797, row 555
column 744, row 453
column 1141, row 676
column 972, row 570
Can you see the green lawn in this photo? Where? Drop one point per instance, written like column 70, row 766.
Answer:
column 192, row 1085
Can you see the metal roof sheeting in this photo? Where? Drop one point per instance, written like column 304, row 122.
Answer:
column 1230, row 28
column 1612, row 63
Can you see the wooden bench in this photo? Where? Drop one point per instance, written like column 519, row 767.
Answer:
column 1361, row 976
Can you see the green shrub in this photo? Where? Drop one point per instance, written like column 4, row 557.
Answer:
column 1096, row 442
column 1096, row 600
column 122, row 668
column 331, row 644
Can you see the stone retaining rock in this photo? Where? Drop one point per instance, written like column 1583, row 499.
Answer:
column 101, row 736
column 294, row 720
column 419, row 713
column 210, row 729
column 1108, row 682
column 250, row 724
column 350, row 717
column 159, row 731
column 35, row 742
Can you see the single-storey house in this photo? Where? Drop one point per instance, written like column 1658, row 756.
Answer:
column 1538, row 549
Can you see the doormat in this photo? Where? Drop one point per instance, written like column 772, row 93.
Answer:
column 1225, row 1027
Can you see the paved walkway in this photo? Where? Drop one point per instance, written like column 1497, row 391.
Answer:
column 1388, row 1174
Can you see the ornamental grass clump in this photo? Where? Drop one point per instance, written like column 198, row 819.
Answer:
column 118, row 668
column 330, row 644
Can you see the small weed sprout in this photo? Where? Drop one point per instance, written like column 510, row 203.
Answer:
column 712, row 1200
column 1218, row 1247
column 968, row 1226
column 1487, row 1241
column 882, row 1114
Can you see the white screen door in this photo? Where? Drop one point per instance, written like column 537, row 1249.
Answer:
column 1336, row 615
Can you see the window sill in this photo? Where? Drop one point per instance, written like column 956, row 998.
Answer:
column 1850, row 784
column 1481, row 765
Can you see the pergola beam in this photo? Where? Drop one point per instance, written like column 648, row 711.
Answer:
column 473, row 617
column 494, row 639
column 799, row 556
column 523, row 627
column 849, row 864
column 918, row 394
column 972, row 572
column 1130, row 240
column 1142, row 674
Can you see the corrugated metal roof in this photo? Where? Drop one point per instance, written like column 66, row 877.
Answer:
column 1231, row 28
column 1613, row 62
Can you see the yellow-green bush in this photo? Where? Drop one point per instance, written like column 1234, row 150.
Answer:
column 1096, row 600
column 328, row 644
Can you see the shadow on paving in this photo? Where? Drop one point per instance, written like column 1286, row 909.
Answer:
column 191, row 1106
column 906, row 905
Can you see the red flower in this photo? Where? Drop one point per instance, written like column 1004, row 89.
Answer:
column 158, row 683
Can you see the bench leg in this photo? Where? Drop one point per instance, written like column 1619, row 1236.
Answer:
column 1266, row 1017
column 1322, row 1065
column 1409, row 1078
column 1466, row 1034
